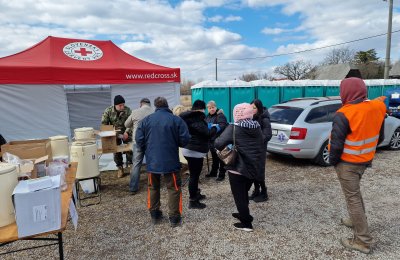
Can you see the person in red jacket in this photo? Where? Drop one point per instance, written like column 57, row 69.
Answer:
column 357, row 129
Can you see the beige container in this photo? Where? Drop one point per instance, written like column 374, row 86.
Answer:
column 8, row 181
column 84, row 133
column 85, row 153
column 59, row 146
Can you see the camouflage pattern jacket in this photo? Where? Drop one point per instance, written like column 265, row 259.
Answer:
column 116, row 118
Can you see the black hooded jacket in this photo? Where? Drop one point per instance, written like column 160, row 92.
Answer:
column 250, row 147
column 198, row 130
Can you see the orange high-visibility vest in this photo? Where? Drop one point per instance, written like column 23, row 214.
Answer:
column 365, row 121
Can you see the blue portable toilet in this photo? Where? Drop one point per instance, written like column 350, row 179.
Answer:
column 290, row 89
column 213, row 90
column 267, row 91
column 374, row 88
column 313, row 88
column 332, row 88
column 241, row 91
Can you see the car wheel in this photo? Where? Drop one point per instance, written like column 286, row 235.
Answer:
column 323, row 155
column 395, row 140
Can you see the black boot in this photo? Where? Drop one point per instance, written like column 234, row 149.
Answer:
column 196, row 204
column 200, row 196
column 255, row 193
column 156, row 216
column 211, row 174
column 263, row 196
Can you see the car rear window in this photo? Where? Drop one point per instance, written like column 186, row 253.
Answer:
column 284, row 114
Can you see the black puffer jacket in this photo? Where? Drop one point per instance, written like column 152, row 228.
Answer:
column 265, row 122
column 250, row 146
column 198, row 130
column 217, row 118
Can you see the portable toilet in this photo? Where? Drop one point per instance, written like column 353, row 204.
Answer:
column 374, row 87
column 241, row 91
column 213, row 90
column 267, row 91
column 332, row 88
column 313, row 88
column 290, row 89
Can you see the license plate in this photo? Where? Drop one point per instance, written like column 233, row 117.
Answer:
column 274, row 132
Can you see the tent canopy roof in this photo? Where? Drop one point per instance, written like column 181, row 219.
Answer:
column 75, row 61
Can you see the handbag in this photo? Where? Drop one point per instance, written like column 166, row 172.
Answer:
column 229, row 154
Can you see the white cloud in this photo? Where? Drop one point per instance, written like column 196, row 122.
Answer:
column 232, row 18
column 273, row 31
column 216, row 19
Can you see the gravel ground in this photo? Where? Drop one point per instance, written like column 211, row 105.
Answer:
column 300, row 221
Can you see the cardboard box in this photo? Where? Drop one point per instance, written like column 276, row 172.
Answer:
column 37, row 211
column 108, row 139
column 31, row 168
column 28, row 149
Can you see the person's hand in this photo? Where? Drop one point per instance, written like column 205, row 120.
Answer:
column 125, row 136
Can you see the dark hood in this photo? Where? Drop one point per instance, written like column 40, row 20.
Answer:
column 352, row 89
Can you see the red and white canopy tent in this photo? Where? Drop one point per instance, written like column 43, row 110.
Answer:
column 33, row 100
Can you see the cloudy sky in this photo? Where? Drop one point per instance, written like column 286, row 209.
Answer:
column 192, row 34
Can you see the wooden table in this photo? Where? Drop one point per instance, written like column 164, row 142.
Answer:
column 9, row 233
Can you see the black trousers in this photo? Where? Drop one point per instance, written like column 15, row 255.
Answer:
column 240, row 187
column 217, row 164
column 195, row 166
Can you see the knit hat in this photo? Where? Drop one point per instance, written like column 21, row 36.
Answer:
column 198, row 105
column 145, row 100
column 242, row 111
column 118, row 99
column 352, row 89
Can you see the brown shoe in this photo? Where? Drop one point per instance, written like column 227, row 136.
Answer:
column 128, row 169
column 120, row 172
column 356, row 245
column 347, row 222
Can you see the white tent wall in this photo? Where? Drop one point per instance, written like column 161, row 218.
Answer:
column 134, row 93
column 33, row 111
column 85, row 108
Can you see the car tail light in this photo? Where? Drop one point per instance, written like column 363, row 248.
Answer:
column 298, row 133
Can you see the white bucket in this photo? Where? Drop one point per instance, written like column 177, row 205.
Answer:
column 85, row 153
column 8, row 181
column 59, row 146
column 84, row 133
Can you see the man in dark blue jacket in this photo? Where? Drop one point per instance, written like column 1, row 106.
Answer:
column 160, row 135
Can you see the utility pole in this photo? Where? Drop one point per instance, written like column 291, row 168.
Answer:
column 216, row 69
column 388, row 40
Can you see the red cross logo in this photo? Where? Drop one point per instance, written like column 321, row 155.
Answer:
column 83, row 52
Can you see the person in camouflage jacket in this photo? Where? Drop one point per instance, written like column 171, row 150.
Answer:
column 116, row 115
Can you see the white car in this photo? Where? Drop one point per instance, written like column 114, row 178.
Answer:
column 301, row 128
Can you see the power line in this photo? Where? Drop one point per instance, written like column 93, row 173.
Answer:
column 313, row 49
column 202, row 66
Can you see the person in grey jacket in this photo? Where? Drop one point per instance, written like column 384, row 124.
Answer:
column 250, row 148
column 132, row 123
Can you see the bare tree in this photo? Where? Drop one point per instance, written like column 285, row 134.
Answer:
column 254, row 76
column 185, row 86
column 295, row 70
column 339, row 56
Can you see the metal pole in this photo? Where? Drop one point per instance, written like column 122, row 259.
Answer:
column 388, row 41
column 216, row 69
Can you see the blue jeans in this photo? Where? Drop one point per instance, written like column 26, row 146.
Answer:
column 137, row 163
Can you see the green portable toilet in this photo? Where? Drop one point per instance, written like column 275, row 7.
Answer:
column 197, row 92
column 313, row 88
column 290, row 89
column 241, row 91
column 374, row 88
column 332, row 88
column 267, row 91
column 217, row 91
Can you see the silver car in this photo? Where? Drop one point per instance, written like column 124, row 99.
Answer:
column 301, row 128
